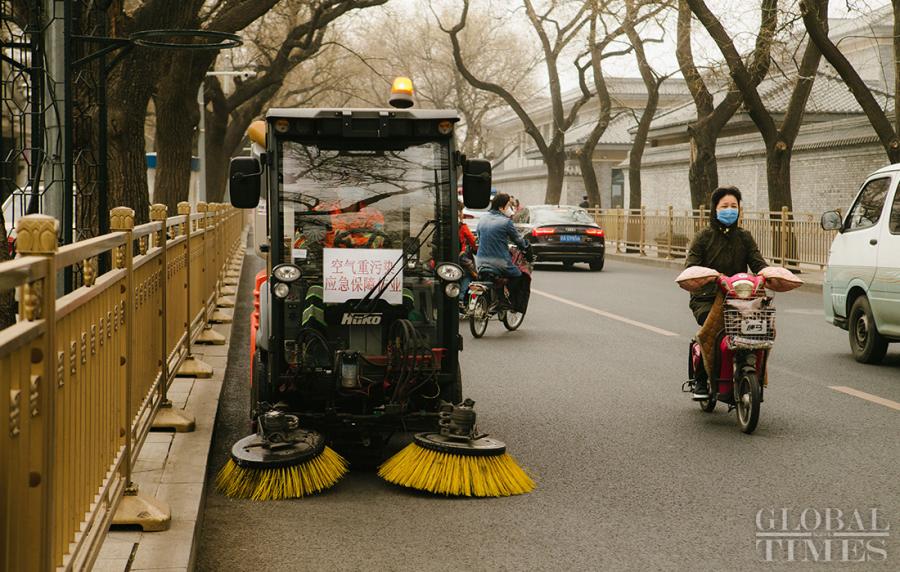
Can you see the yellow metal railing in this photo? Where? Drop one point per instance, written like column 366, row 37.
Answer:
column 82, row 376
column 785, row 238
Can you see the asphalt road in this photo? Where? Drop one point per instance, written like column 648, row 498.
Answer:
column 631, row 474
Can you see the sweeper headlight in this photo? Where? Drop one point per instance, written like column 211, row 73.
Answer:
column 286, row 273
column 450, row 272
column 452, row 289
column 281, row 290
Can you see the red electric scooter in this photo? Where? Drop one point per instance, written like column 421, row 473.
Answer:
column 741, row 349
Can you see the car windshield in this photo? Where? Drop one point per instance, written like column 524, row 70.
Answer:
column 373, row 202
column 561, row 215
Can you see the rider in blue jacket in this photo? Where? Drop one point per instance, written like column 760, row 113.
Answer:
column 495, row 231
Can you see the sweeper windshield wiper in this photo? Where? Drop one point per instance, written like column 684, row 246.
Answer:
column 382, row 284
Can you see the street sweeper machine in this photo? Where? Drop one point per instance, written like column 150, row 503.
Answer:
column 357, row 336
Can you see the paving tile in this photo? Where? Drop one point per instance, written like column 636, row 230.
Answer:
column 181, row 385
column 217, row 362
column 118, row 546
column 187, row 461
column 142, row 466
column 111, row 565
column 167, row 549
column 159, row 437
column 183, row 499
column 211, row 349
column 154, row 451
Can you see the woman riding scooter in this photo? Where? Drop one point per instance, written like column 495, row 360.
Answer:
column 724, row 247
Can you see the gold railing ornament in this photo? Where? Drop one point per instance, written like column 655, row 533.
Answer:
column 202, row 208
column 88, row 273
column 36, row 234
column 159, row 213
column 184, row 209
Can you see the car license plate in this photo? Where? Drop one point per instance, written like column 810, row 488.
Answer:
column 754, row 327
column 569, row 238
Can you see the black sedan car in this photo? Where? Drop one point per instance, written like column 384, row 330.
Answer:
column 564, row 234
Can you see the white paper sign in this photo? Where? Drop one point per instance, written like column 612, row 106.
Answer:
column 349, row 273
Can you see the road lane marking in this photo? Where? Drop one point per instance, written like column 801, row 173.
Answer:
column 605, row 314
column 866, row 396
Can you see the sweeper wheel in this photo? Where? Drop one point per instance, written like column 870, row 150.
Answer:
column 483, row 447
column 249, row 452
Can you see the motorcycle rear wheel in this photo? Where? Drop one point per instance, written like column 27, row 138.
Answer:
column 512, row 320
column 479, row 316
column 747, row 399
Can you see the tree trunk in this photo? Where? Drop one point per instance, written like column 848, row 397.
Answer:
column 778, row 176
column 130, row 86
column 7, row 299
column 177, row 116
column 636, row 156
column 556, row 172
column 591, row 186
column 127, row 162
column 703, row 174
column 217, row 158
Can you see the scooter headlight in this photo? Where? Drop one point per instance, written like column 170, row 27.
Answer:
column 281, row 290
column 449, row 272
column 452, row 289
column 743, row 288
column 286, row 273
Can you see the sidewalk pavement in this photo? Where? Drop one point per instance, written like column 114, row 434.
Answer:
column 172, row 467
column 812, row 276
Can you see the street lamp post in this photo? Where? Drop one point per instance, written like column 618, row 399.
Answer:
column 201, row 142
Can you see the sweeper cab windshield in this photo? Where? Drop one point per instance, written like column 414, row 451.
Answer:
column 366, row 222
column 361, row 204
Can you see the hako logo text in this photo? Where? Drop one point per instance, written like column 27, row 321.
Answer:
column 350, row 319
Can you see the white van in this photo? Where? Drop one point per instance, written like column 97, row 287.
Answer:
column 861, row 292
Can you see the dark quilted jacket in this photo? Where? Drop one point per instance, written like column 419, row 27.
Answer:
column 729, row 250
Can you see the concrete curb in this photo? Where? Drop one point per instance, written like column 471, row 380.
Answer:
column 172, row 467
column 812, row 281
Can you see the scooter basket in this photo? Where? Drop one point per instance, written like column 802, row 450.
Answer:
column 750, row 323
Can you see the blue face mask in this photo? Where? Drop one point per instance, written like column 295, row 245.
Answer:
column 727, row 216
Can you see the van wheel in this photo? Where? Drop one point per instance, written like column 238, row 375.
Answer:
column 867, row 344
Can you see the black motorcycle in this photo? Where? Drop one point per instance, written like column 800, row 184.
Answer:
column 489, row 297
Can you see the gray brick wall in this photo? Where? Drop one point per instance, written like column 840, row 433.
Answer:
column 830, row 161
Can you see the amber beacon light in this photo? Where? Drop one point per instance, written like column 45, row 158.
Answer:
column 402, row 93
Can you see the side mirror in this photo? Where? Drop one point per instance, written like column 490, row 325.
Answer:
column 244, row 182
column 832, row 221
column 476, row 183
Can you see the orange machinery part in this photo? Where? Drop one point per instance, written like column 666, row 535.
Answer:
column 254, row 317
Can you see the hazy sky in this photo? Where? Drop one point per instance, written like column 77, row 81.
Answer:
column 741, row 18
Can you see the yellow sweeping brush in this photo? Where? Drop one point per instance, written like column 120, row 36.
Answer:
column 278, row 466
column 457, row 461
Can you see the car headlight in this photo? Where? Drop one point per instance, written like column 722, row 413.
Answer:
column 281, row 290
column 449, row 272
column 452, row 289
column 286, row 273
column 743, row 288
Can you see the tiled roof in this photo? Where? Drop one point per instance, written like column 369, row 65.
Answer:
column 616, row 132
column 829, row 96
